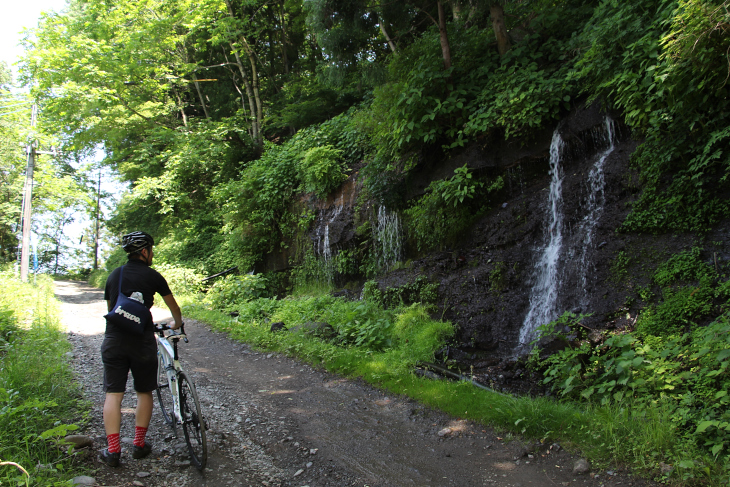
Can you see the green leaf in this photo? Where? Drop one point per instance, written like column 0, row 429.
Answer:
column 704, row 425
column 723, row 355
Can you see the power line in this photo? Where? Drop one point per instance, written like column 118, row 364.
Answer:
column 16, row 104
column 16, row 111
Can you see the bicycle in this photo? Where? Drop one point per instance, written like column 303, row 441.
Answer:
column 180, row 406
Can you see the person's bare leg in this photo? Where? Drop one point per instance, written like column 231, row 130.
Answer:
column 144, row 409
column 113, row 412
column 112, row 425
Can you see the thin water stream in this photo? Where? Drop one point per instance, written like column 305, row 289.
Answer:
column 545, row 291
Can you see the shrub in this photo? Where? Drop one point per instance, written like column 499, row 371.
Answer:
column 445, row 212
column 98, row 278
column 321, row 170
column 180, row 279
column 8, row 325
column 234, row 290
column 39, row 402
column 690, row 290
column 692, row 370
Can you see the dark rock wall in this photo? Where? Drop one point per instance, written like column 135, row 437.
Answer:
column 486, row 281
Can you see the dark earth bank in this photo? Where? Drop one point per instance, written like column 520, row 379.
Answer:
column 274, row 421
column 486, row 279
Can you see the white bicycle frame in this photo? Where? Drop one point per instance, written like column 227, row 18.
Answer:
column 171, row 365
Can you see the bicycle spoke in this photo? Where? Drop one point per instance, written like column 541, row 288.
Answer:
column 164, row 395
column 193, row 423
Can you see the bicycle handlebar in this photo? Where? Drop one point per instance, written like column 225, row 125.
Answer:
column 161, row 327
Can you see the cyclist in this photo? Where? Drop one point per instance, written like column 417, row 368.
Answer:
column 122, row 351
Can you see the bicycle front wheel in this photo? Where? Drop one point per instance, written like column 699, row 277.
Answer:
column 164, row 393
column 193, row 423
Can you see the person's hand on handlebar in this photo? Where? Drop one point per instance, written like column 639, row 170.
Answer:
column 168, row 326
column 163, row 325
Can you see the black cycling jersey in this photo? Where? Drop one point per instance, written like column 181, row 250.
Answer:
column 138, row 276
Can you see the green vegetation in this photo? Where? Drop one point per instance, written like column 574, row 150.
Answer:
column 383, row 347
column 676, row 360
column 321, row 171
column 235, row 122
column 420, row 290
column 218, row 152
column 368, row 341
column 442, row 214
column 39, row 403
column 690, row 292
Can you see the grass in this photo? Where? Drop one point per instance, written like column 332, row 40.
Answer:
column 615, row 435
column 39, row 401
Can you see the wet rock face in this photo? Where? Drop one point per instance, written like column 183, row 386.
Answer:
column 487, row 281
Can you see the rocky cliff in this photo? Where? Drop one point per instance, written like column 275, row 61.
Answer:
column 550, row 244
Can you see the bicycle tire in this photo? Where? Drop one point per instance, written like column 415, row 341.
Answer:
column 164, row 394
column 193, row 423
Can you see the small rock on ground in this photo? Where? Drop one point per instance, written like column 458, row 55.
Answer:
column 581, row 466
column 79, row 441
column 83, row 480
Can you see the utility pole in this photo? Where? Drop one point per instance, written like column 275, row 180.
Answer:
column 96, row 239
column 27, row 196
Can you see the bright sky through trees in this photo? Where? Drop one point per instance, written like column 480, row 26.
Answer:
column 25, row 15
column 19, row 16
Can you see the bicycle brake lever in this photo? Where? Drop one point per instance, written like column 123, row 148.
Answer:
column 182, row 331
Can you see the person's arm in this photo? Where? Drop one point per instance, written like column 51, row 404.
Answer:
column 109, row 305
column 174, row 309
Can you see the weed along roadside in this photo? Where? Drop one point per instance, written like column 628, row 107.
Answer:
column 40, row 402
column 612, row 436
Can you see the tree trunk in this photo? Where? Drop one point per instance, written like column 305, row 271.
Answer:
column 233, row 79
column 459, row 9
column 284, row 40
column 182, row 108
column 500, row 30
column 385, row 34
column 249, row 95
column 445, row 49
column 253, row 85
column 200, row 95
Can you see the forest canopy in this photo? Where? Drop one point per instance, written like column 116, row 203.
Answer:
column 211, row 110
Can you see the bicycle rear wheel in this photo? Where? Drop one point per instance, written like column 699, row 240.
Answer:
column 164, row 394
column 193, row 423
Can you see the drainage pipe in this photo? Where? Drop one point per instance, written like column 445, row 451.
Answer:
column 453, row 375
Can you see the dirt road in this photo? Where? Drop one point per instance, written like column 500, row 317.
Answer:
column 277, row 422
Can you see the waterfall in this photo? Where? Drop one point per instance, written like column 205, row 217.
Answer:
column 326, row 250
column 567, row 252
column 323, row 251
column 544, row 292
column 387, row 235
column 595, row 203
column 322, row 245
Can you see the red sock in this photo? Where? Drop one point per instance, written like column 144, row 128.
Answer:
column 139, row 434
column 113, row 444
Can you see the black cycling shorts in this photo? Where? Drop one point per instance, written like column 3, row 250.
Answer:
column 120, row 356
